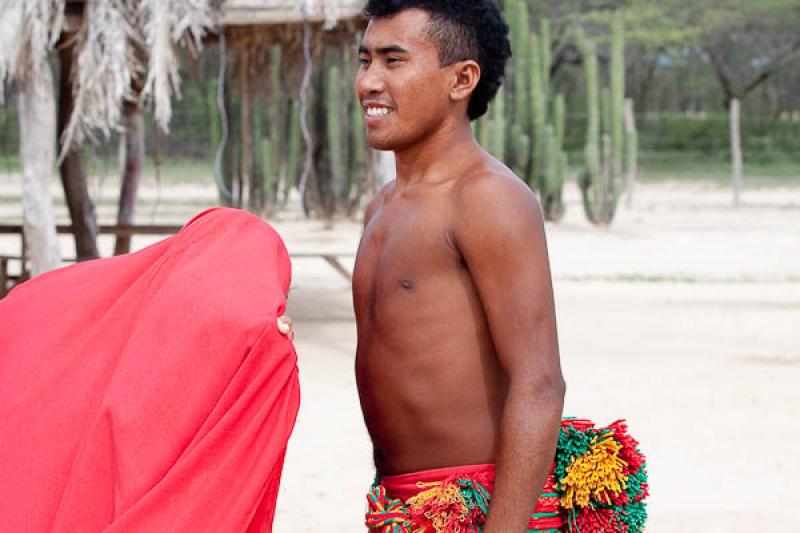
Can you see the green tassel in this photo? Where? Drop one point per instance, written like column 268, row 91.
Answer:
column 634, row 516
column 571, row 444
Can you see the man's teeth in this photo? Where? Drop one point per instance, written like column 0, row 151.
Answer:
column 378, row 111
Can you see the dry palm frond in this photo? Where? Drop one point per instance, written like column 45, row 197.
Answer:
column 168, row 24
column 30, row 28
column 332, row 13
column 106, row 63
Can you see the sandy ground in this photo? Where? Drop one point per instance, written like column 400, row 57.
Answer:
column 684, row 318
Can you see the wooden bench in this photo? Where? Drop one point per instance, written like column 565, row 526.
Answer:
column 8, row 280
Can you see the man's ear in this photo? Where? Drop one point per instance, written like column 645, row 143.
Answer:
column 467, row 74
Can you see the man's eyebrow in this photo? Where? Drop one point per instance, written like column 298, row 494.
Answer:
column 383, row 50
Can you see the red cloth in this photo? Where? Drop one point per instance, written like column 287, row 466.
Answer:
column 545, row 517
column 150, row 392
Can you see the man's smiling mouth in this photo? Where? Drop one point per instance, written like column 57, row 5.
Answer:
column 377, row 111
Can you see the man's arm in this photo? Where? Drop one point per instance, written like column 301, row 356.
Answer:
column 500, row 234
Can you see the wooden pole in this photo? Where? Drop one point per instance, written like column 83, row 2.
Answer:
column 73, row 173
column 37, row 121
column 133, row 140
column 246, row 155
column 736, row 150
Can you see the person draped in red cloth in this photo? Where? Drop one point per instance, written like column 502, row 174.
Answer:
column 150, row 392
column 457, row 361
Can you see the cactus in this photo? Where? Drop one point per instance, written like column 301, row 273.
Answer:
column 617, row 95
column 485, row 131
column 539, row 113
column 333, row 102
column 521, row 144
column 554, row 175
column 521, row 58
column 559, row 119
column 602, row 174
column 526, row 123
column 498, row 127
column 518, row 105
column 546, row 60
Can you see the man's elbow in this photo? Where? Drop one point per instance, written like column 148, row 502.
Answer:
column 545, row 388
column 555, row 390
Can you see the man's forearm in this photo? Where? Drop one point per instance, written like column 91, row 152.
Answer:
column 528, row 436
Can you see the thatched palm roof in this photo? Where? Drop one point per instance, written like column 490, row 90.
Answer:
column 118, row 42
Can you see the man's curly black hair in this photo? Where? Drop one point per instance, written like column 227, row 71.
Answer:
column 462, row 29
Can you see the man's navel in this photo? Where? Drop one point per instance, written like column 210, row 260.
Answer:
column 406, row 284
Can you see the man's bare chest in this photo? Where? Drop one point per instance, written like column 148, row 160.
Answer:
column 403, row 253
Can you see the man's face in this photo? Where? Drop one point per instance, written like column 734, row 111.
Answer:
column 402, row 89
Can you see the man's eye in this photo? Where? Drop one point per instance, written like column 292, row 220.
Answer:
column 393, row 60
column 363, row 61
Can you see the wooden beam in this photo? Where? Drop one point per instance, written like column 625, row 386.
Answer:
column 274, row 12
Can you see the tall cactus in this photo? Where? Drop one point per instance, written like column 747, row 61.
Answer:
column 521, row 144
column 333, row 100
column 559, row 118
column 539, row 106
column 548, row 170
column 526, row 124
column 497, row 126
column 600, row 179
column 618, row 95
column 546, row 59
column 555, row 164
column 522, row 64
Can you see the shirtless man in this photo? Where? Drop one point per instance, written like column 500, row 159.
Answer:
column 457, row 363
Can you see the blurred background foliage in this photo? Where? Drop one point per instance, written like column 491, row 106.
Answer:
column 685, row 60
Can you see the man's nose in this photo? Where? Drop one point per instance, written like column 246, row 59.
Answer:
column 370, row 81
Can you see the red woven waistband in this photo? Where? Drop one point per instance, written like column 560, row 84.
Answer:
column 404, row 486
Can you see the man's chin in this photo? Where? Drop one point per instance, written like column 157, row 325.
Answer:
column 383, row 145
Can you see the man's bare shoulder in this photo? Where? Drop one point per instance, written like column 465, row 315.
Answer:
column 493, row 195
column 377, row 201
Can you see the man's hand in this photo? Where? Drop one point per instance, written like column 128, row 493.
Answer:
column 285, row 326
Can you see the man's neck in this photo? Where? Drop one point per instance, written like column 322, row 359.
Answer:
column 429, row 159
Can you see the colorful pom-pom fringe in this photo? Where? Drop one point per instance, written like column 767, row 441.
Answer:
column 601, row 478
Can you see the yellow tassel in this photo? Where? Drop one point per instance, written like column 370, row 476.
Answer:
column 595, row 474
column 438, row 496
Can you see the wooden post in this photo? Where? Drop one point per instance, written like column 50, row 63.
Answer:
column 246, row 155
column 133, row 140
column 37, row 121
column 736, row 150
column 73, row 173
